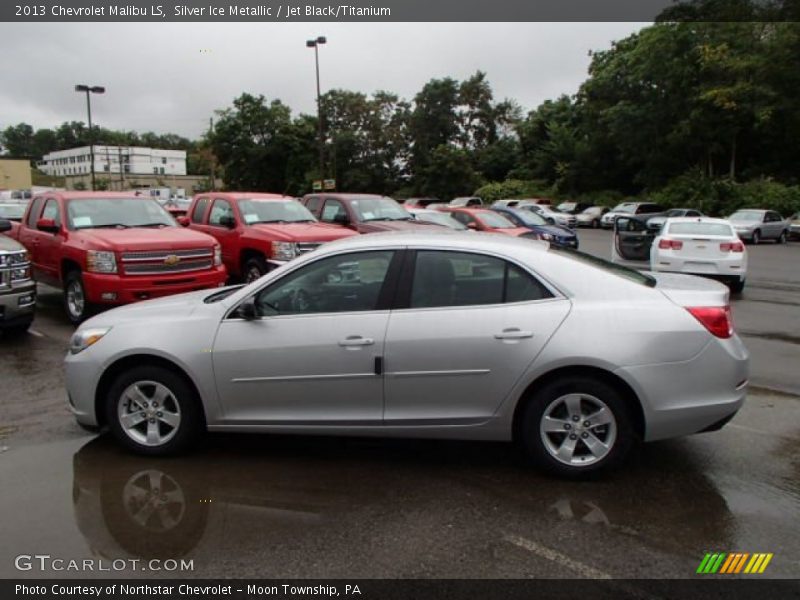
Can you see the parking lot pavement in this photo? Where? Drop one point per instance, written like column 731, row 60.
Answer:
column 272, row 506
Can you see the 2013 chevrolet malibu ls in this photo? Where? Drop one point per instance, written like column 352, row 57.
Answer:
column 446, row 335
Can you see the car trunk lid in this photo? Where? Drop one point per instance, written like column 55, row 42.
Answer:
column 691, row 291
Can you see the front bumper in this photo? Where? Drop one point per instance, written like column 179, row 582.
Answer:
column 116, row 289
column 17, row 304
column 82, row 374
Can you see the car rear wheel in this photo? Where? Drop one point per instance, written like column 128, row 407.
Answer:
column 756, row 237
column 154, row 411
column 782, row 238
column 576, row 426
column 737, row 287
column 595, row 224
column 76, row 304
column 255, row 268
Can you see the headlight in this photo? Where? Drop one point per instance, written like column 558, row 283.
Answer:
column 83, row 338
column 217, row 256
column 546, row 236
column 283, row 250
column 20, row 274
column 99, row 261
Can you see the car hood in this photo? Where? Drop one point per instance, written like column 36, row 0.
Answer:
column 556, row 230
column 167, row 308
column 142, row 238
column 376, row 226
column 9, row 245
column 303, row 232
column 744, row 224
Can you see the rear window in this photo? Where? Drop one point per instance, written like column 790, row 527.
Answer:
column 701, row 229
column 605, row 265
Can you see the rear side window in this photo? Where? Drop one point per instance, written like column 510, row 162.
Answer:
column 701, row 229
column 33, row 215
column 199, row 210
column 463, row 279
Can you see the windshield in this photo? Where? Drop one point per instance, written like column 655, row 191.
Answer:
column 619, row 270
column 440, row 219
column 593, row 210
column 378, row 208
column 256, row 210
column 567, row 206
column 529, row 218
column 675, row 212
column 746, row 215
column 90, row 213
column 495, row 220
column 11, row 211
column 624, row 208
column 722, row 229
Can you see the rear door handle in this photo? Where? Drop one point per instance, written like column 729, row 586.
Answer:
column 355, row 340
column 513, row 333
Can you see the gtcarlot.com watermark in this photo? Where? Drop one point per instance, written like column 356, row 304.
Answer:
column 47, row 562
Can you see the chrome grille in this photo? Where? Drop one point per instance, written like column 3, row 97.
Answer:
column 10, row 262
column 152, row 268
column 303, row 247
column 161, row 255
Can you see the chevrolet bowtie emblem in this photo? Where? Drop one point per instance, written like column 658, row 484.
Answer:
column 172, row 260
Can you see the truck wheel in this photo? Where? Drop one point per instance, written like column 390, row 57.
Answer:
column 255, row 268
column 75, row 301
column 576, row 426
column 154, row 411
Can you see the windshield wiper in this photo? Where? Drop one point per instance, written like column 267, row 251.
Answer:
column 378, row 219
column 150, row 225
column 269, row 221
column 105, row 226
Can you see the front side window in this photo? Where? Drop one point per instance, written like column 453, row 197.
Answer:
column 343, row 283
column 221, row 213
column 443, row 278
column 51, row 211
column 333, row 212
column 33, row 215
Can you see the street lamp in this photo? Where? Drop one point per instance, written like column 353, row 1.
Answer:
column 315, row 44
column 94, row 89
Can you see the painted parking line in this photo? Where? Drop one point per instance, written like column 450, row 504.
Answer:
column 36, row 333
column 561, row 559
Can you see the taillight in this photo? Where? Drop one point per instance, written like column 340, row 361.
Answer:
column 731, row 247
column 717, row 319
column 665, row 244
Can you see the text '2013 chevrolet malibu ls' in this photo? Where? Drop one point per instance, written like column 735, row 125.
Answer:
column 438, row 335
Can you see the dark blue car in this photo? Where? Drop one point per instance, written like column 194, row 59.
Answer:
column 563, row 236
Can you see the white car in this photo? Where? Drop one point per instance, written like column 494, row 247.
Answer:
column 701, row 246
column 550, row 214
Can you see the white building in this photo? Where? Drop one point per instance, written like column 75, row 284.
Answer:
column 130, row 160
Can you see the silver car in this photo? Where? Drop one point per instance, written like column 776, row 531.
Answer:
column 755, row 225
column 439, row 335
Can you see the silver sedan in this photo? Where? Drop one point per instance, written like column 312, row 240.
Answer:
column 440, row 335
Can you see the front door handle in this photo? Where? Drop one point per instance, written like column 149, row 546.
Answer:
column 355, row 340
column 513, row 333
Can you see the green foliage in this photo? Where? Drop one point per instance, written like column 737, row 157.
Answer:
column 448, row 174
column 513, row 188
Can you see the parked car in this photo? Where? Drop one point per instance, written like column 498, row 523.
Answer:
column 12, row 211
column 550, row 215
column 421, row 202
column 466, row 201
column 701, row 246
column 257, row 231
column 17, row 288
column 106, row 248
column 755, row 225
column 364, row 213
column 437, row 217
column 656, row 223
column 573, row 208
column 177, row 207
column 794, row 226
column 454, row 336
column 590, row 217
column 630, row 208
column 485, row 219
column 558, row 234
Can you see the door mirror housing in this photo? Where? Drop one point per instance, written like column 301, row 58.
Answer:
column 472, row 226
column 247, row 310
column 341, row 219
column 5, row 225
column 183, row 221
column 227, row 221
column 48, row 225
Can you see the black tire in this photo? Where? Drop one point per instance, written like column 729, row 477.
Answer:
column 737, row 287
column 595, row 224
column 191, row 424
column 78, row 310
column 756, row 237
column 254, row 268
column 782, row 237
column 532, row 440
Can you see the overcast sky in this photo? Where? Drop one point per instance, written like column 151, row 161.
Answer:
column 170, row 77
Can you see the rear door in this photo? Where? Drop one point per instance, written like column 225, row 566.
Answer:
column 49, row 244
column 632, row 238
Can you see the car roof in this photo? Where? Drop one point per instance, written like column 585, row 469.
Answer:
column 761, row 210
column 346, row 196
column 479, row 210
column 240, row 195
column 78, row 195
column 441, row 238
column 696, row 220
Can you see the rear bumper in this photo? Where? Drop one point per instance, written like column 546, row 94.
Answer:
column 692, row 396
column 17, row 305
column 115, row 289
column 725, row 270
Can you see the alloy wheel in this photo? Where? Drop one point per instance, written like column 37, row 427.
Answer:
column 154, row 500
column 76, row 301
column 149, row 413
column 578, row 429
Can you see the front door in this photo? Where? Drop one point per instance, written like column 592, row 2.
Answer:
column 632, row 239
column 471, row 326
column 313, row 355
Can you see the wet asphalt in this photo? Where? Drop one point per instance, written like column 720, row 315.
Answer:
column 282, row 506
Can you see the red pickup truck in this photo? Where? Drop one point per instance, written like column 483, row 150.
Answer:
column 105, row 248
column 258, row 231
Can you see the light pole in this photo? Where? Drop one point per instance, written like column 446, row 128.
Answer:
column 315, row 45
column 95, row 89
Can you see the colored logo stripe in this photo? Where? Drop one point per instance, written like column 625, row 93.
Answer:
column 723, row 563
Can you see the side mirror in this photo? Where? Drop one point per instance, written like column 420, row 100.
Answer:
column 551, row 221
column 341, row 219
column 48, row 225
column 247, row 309
column 183, row 221
column 472, row 226
column 227, row 221
column 5, row 225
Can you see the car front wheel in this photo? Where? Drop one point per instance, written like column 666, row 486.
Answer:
column 255, row 268
column 75, row 302
column 782, row 238
column 756, row 237
column 576, row 426
column 152, row 410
